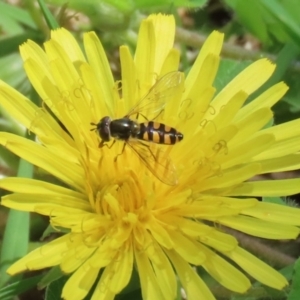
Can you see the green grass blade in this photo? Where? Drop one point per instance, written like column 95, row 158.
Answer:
column 13, row 17
column 290, row 26
column 16, row 235
column 51, row 21
column 18, row 287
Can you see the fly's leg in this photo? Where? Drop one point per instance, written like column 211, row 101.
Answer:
column 102, row 144
column 137, row 116
column 123, row 149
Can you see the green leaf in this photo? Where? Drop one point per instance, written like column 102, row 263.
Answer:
column 11, row 44
column 269, row 19
column 284, row 59
column 280, row 14
column 295, row 289
column 54, row 274
column 15, row 289
column 12, row 18
column 11, row 69
column 275, row 200
column 54, row 289
column 290, row 102
column 228, row 69
column 50, row 230
column 250, row 14
column 293, row 9
column 287, row 272
column 289, row 108
column 9, row 25
column 134, row 295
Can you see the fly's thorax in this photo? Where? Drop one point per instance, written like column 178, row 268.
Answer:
column 135, row 128
column 124, row 128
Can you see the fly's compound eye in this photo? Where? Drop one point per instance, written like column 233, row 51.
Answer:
column 103, row 128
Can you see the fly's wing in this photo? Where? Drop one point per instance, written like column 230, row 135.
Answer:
column 156, row 160
column 161, row 92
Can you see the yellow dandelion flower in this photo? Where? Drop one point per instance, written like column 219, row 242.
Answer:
column 119, row 211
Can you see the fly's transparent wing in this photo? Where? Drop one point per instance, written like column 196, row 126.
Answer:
column 161, row 92
column 156, row 160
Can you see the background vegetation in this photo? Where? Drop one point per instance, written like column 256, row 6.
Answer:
column 253, row 29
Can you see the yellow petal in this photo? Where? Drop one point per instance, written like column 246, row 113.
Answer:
column 155, row 41
column 248, row 81
column 212, row 46
column 246, row 151
column 30, row 202
column 267, row 188
column 145, row 48
column 80, row 282
column 260, row 228
column 129, row 80
column 34, row 52
column 265, row 100
column 225, row 273
column 164, row 273
column 164, row 29
column 274, row 213
column 121, row 271
column 280, row 164
column 231, row 177
column 20, row 185
column 148, row 280
column 40, row 156
column 188, row 249
column 251, row 123
column 68, row 43
column 193, row 285
column 171, row 62
column 100, row 68
column 257, row 268
column 48, row 255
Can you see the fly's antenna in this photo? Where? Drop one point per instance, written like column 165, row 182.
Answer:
column 93, row 124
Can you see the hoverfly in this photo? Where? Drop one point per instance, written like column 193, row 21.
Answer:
column 140, row 136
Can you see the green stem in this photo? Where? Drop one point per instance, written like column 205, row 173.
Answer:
column 230, row 51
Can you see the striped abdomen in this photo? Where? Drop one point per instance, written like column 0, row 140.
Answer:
column 159, row 133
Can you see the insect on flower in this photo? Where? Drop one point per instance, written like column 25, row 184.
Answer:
column 140, row 136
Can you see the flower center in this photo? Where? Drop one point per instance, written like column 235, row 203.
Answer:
column 124, row 208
